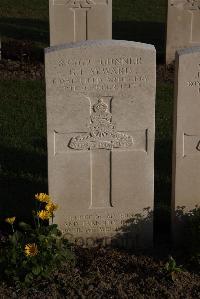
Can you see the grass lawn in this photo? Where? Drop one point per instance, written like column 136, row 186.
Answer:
column 23, row 166
column 142, row 21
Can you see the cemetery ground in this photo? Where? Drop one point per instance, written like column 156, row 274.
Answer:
column 97, row 273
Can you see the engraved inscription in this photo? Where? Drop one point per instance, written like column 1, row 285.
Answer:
column 103, row 74
column 198, row 146
column 112, row 222
column 102, row 132
column 195, row 83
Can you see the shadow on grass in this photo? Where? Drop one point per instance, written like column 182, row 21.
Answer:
column 22, row 174
column 162, row 210
column 145, row 32
column 24, row 39
column 35, row 30
column 25, row 29
column 186, row 234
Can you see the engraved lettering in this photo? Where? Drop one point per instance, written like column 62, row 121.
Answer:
column 198, row 146
column 195, row 83
column 110, row 74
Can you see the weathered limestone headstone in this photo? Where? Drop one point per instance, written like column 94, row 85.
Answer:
column 100, row 119
column 182, row 26
column 186, row 147
column 79, row 20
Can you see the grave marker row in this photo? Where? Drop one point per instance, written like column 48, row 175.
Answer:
column 100, row 120
column 79, row 20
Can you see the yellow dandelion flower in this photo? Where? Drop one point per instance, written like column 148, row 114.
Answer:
column 44, row 215
column 10, row 220
column 31, row 249
column 43, row 197
column 51, row 207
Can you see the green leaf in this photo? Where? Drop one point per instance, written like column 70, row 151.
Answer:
column 36, row 270
column 25, row 226
column 28, row 278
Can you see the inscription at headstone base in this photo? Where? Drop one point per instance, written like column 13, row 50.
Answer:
column 182, row 26
column 79, row 20
column 186, row 143
column 100, row 120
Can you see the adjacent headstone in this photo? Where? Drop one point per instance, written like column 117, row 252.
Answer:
column 100, row 120
column 186, row 147
column 79, row 20
column 182, row 26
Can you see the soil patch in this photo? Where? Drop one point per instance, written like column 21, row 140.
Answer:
column 111, row 273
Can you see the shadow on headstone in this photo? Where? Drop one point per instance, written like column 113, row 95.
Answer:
column 162, row 212
column 134, row 234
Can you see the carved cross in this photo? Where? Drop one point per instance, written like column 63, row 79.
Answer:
column 81, row 9
column 101, row 140
column 193, row 7
column 195, row 82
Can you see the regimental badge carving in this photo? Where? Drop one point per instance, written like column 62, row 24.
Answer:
column 102, row 132
column 187, row 4
column 193, row 4
column 80, row 3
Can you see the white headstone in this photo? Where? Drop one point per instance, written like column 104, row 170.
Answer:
column 100, row 119
column 186, row 147
column 79, row 20
column 182, row 26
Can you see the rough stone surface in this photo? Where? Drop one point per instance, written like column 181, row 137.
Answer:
column 79, row 20
column 186, row 147
column 182, row 26
column 100, row 119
